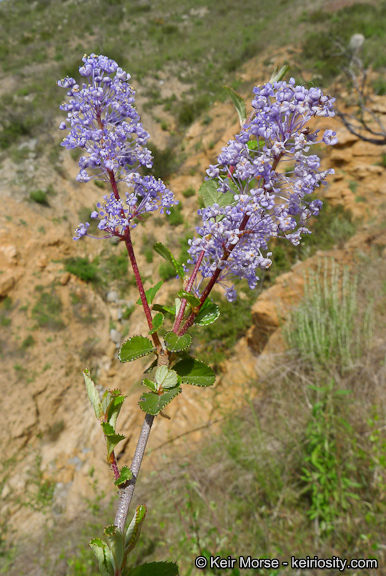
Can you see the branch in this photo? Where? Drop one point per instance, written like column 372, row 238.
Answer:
column 357, row 76
column 126, row 493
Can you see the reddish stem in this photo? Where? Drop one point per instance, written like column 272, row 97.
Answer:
column 134, row 265
column 138, row 280
column 212, row 282
column 114, row 466
column 188, row 289
column 217, row 272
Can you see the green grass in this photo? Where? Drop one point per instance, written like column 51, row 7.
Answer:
column 27, row 342
column 188, row 192
column 326, row 328
column 166, row 271
column 321, row 55
column 82, row 267
column 206, row 51
column 4, row 321
column 116, row 265
column 47, row 311
column 164, row 162
column 5, row 308
column 175, row 218
column 379, row 86
column 40, row 491
column 84, row 215
column 148, row 241
column 40, row 197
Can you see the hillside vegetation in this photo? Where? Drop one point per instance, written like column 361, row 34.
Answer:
column 290, row 462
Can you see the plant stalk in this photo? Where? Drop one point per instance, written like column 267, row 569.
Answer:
column 126, row 494
column 188, row 288
column 134, row 265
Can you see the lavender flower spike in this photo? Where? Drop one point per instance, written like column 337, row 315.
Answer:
column 102, row 120
column 270, row 174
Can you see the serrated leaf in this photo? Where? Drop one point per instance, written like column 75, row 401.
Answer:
column 176, row 343
column 93, row 394
column 208, row 314
column 104, row 557
column 153, row 404
column 108, row 399
column 108, row 429
column 125, row 476
column 211, row 195
column 158, row 320
column 165, row 377
column 134, row 348
column 112, row 438
column 116, row 542
column 151, row 385
column 193, row 300
column 177, row 303
column 165, row 253
column 134, row 529
column 155, row 569
column 151, row 292
column 114, row 409
column 194, row 372
column 278, row 75
column 239, row 104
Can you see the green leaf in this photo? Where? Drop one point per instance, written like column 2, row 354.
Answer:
column 158, row 320
column 134, row 348
column 112, row 438
column 165, row 377
column 126, row 475
column 194, row 372
column 93, row 394
column 104, row 557
column 153, row 404
column 155, row 569
column 255, row 145
column 114, row 408
column 211, row 195
column 151, row 292
column 165, row 253
column 164, row 309
column 176, row 343
column 193, row 300
column 278, row 75
column 116, row 542
column 208, row 314
column 134, row 529
column 239, row 104
column 150, row 368
column 151, row 385
column 109, row 405
column 177, row 303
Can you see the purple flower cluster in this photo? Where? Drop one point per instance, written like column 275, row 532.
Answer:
column 116, row 215
column 270, row 175
column 104, row 123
